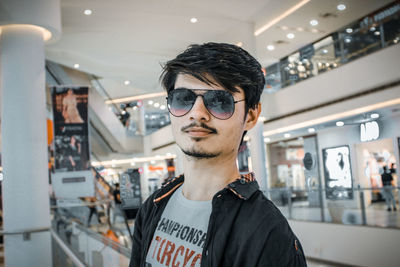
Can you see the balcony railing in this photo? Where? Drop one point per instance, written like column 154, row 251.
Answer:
column 360, row 38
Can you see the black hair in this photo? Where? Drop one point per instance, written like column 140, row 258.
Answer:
column 225, row 64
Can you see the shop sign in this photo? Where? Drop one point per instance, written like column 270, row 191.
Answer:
column 380, row 15
column 369, row 131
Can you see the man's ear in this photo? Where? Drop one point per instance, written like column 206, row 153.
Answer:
column 252, row 117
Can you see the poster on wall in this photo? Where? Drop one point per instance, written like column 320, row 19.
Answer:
column 72, row 177
column 131, row 196
column 337, row 170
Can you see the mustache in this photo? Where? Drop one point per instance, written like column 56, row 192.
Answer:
column 200, row 125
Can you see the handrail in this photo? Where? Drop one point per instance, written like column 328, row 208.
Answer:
column 106, row 241
column 67, row 250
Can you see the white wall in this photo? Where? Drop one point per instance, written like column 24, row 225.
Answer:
column 349, row 244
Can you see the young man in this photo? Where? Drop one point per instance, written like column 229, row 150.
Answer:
column 212, row 215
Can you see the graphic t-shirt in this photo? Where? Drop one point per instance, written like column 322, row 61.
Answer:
column 180, row 234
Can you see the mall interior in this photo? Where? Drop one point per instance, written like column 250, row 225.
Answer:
column 86, row 134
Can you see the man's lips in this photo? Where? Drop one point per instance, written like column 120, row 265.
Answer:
column 198, row 132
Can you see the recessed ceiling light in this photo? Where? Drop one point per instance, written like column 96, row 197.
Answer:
column 270, row 47
column 311, row 130
column 127, row 82
column 339, row 123
column 374, row 115
column 156, row 105
column 325, row 51
column 150, row 102
column 193, row 20
column 287, row 135
column 377, row 33
column 87, row 12
column 266, row 139
column 290, row 35
column 162, row 107
column 133, row 163
column 347, row 40
column 349, row 30
column 76, row 66
column 313, row 22
column 341, row 7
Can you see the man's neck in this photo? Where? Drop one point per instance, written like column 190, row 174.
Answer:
column 205, row 177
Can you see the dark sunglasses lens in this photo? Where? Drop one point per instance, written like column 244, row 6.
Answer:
column 180, row 101
column 219, row 103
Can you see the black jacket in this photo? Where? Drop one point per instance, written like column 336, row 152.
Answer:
column 245, row 228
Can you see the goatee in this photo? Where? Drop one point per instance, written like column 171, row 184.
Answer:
column 199, row 155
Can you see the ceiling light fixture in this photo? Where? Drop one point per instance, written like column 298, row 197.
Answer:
column 76, row 66
column 280, row 17
column 193, row 20
column 156, row 105
column 270, row 47
column 328, row 118
column 134, row 98
column 313, row 22
column 87, row 12
column 349, row 30
column 341, row 7
column 290, row 35
column 266, row 139
column 162, row 107
column 325, row 51
column 339, row 123
column 150, row 102
column 311, row 130
column 377, row 33
column 286, row 135
column 374, row 115
column 127, row 82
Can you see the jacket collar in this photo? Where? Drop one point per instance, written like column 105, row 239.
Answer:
column 243, row 187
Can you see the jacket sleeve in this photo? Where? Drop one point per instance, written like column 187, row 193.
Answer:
column 282, row 248
column 138, row 235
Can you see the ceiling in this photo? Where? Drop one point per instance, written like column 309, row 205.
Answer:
column 129, row 39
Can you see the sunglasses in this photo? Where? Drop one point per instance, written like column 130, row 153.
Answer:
column 219, row 103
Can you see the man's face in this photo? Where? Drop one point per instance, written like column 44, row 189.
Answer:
column 199, row 134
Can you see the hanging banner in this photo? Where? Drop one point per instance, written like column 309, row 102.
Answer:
column 73, row 177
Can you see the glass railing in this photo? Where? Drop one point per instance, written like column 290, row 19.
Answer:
column 362, row 206
column 91, row 240
column 360, row 38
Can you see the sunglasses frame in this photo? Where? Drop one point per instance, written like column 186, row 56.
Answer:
column 202, row 96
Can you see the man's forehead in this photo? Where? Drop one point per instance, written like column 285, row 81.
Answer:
column 191, row 82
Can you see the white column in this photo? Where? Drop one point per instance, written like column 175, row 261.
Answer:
column 257, row 153
column 24, row 146
column 142, row 119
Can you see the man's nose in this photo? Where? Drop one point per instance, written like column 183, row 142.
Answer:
column 199, row 111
